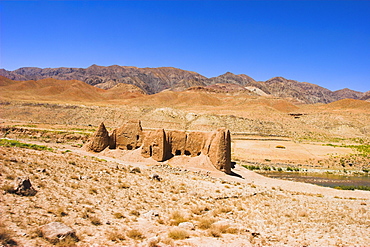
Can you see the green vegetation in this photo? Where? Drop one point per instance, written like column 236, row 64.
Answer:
column 13, row 143
column 26, row 125
column 251, row 167
column 292, row 169
column 363, row 149
column 271, row 168
column 352, row 187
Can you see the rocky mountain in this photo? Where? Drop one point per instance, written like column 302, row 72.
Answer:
column 151, row 80
column 347, row 93
column 154, row 80
column 366, row 96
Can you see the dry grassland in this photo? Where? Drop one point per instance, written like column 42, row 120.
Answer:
column 110, row 203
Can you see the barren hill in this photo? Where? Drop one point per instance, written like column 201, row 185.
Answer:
column 151, row 80
column 154, row 80
column 349, row 104
column 63, row 91
column 347, row 93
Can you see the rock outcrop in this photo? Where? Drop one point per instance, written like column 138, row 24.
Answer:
column 163, row 144
column 57, row 231
column 23, row 186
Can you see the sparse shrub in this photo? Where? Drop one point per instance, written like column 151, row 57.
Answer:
column 95, row 220
column 93, row 191
column 59, row 212
column 198, row 210
column 8, row 188
column 68, row 241
column 280, row 146
column 215, row 232
column 177, row 217
column 221, row 210
column 352, row 187
column 124, row 185
column 135, row 234
column 13, row 143
column 232, row 230
column 135, row 213
column 205, row 222
column 168, row 241
column 10, row 177
column 251, row 167
column 85, row 215
column 178, row 234
column 118, row 215
column 115, row 236
column 6, row 236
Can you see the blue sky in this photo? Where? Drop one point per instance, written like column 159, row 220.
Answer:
column 321, row 42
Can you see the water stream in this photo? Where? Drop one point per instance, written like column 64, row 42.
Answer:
column 322, row 179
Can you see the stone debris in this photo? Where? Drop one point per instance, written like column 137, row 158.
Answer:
column 187, row 225
column 151, row 215
column 135, row 170
column 162, row 145
column 57, row 231
column 155, row 177
column 23, row 186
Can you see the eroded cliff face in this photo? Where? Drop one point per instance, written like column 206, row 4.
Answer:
column 163, row 144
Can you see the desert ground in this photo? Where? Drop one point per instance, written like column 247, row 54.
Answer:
column 118, row 198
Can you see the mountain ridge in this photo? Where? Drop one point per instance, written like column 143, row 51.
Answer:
column 155, row 80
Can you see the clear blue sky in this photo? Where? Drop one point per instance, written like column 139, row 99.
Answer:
column 321, row 42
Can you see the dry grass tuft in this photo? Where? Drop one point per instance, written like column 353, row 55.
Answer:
column 178, row 234
column 8, row 188
column 205, row 222
column 135, row 234
column 177, row 217
column 115, row 236
column 67, row 241
column 95, row 220
column 118, row 215
column 218, row 230
column 6, row 236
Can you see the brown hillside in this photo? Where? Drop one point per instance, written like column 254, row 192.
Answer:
column 52, row 89
column 65, row 91
column 155, row 80
column 349, row 104
column 5, row 81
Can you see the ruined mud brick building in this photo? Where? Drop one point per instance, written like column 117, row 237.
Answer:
column 163, row 144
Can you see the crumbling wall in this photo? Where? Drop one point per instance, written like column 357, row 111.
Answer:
column 100, row 140
column 162, row 145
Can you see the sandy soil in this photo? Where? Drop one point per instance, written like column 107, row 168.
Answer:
column 284, row 151
column 90, row 191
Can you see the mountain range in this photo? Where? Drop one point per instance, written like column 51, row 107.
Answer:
column 155, row 80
